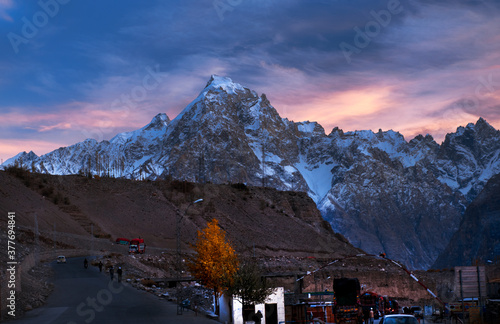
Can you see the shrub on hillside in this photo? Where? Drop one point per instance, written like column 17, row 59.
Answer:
column 17, row 171
column 148, row 282
column 240, row 186
column 182, row 186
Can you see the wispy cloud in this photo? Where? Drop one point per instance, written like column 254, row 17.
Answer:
column 419, row 74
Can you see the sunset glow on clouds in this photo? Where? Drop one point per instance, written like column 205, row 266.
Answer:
column 74, row 70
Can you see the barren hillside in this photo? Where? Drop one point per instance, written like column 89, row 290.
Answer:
column 261, row 220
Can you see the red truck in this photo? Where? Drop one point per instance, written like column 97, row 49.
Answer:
column 372, row 301
column 122, row 240
column 136, row 246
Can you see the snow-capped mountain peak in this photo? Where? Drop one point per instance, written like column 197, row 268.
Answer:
column 155, row 128
column 223, row 83
column 21, row 158
column 370, row 186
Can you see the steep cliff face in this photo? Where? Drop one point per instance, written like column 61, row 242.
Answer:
column 478, row 238
column 383, row 193
column 383, row 207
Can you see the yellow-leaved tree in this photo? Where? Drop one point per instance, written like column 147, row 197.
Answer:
column 215, row 262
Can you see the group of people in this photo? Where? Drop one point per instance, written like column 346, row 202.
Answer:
column 366, row 317
column 119, row 271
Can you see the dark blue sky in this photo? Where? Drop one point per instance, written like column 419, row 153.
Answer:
column 73, row 69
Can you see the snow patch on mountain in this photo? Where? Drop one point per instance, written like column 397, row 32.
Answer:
column 318, row 178
column 223, row 83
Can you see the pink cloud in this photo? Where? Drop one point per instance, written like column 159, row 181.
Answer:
column 62, row 125
column 12, row 147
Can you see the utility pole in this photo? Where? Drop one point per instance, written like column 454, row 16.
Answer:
column 54, row 238
column 179, row 259
column 263, row 164
column 480, row 299
column 37, row 246
column 462, row 294
column 91, row 238
column 178, row 230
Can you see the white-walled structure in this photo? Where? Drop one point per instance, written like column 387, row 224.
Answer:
column 231, row 309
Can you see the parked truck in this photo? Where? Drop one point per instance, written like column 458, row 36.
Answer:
column 136, row 246
column 372, row 301
column 346, row 305
column 391, row 306
column 122, row 240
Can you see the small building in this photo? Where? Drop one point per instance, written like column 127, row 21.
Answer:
column 273, row 311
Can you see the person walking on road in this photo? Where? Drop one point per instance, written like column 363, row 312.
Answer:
column 100, row 266
column 257, row 317
column 372, row 315
column 119, row 273
column 85, row 263
column 361, row 318
column 111, row 272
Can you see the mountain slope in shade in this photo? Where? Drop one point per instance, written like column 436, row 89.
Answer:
column 256, row 219
column 478, row 238
column 383, row 193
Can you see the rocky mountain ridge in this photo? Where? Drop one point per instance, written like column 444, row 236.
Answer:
column 383, row 193
column 478, row 239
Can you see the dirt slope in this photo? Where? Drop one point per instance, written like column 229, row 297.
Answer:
column 263, row 220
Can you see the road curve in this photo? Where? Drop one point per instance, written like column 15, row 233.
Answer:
column 88, row 296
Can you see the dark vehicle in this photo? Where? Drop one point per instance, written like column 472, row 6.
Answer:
column 391, row 306
column 346, row 303
column 398, row 319
column 416, row 311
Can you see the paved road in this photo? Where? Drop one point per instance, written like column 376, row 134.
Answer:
column 87, row 296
